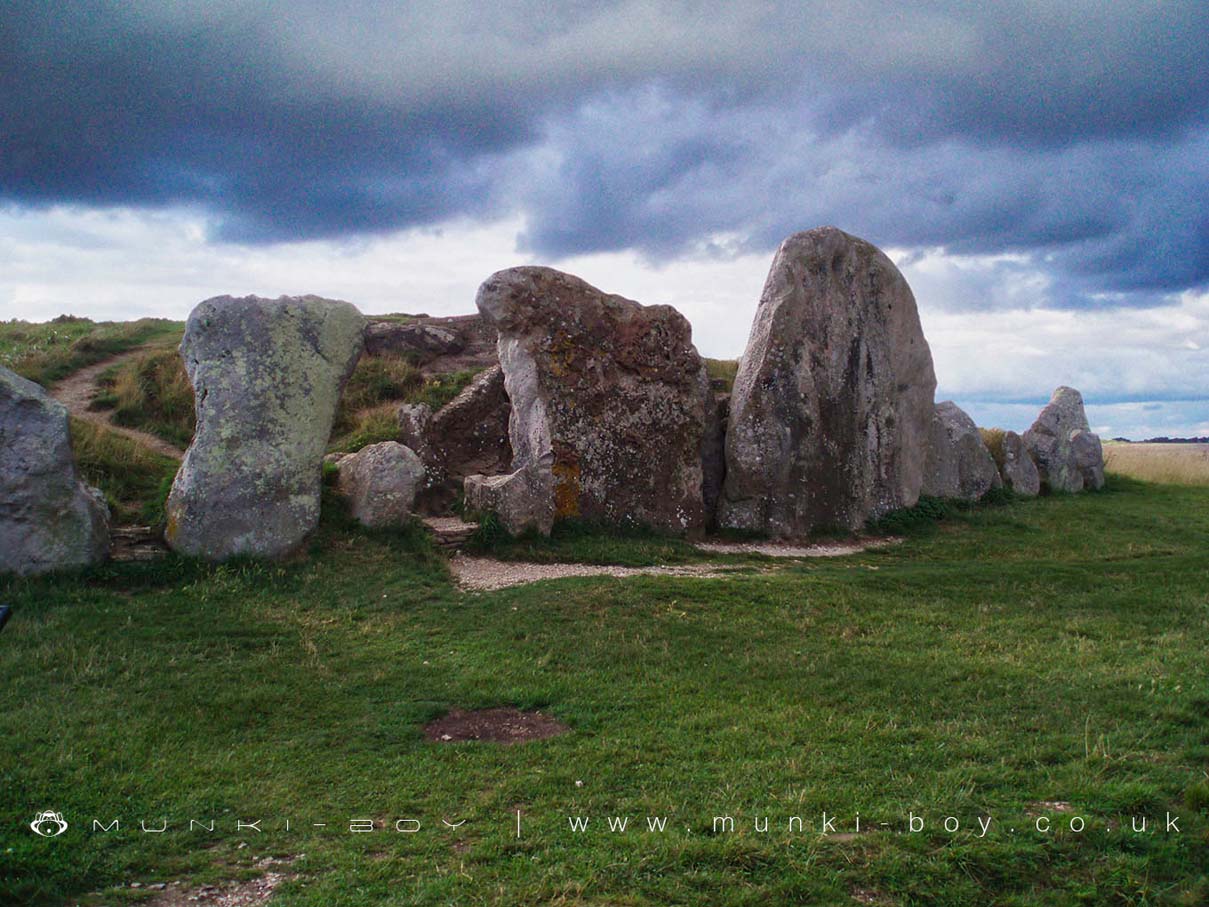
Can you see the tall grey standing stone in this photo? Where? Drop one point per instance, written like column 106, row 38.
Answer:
column 1016, row 466
column 267, row 375
column 958, row 463
column 608, row 407
column 49, row 519
column 832, row 404
column 1068, row 456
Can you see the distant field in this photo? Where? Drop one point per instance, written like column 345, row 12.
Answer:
column 1178, row 464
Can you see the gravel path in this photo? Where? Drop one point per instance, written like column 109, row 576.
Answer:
column 78, row 390
column 785, row 549
column 481, row 574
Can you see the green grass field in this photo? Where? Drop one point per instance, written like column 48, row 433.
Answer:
column 1014, row 659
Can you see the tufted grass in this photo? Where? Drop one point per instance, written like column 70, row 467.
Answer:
column 1041, row 657
column 723, row 370
column 135, row 479
column 49, row 351
column 151, row 393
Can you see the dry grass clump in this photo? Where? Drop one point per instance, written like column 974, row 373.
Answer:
column 134, row 479
column 151, row 393
column 722, row 370
column 1172, row 464
column 993, row 439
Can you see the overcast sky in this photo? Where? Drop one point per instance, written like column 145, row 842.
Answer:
column 1040, row 171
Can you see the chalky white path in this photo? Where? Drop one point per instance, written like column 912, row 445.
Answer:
column 483, row 574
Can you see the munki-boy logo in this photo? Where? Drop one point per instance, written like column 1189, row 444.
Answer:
column 48, row 824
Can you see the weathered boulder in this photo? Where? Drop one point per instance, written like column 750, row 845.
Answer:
column 267, row 375
column 49, row 519
column 1067, row 454
column 609, row 402
column 1089, row 458
column 1016, row 467
column 832, row 405
column 380, row 483
column 958, row 463
column 423, row 342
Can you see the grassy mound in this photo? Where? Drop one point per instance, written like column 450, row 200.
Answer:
column 47, row 352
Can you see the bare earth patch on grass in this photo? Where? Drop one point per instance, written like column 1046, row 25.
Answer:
column 498, row 725
column 483, row 574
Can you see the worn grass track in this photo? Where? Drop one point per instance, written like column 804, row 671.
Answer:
column 1043, row 651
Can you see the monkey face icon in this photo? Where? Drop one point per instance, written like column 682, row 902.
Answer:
column 48, row 824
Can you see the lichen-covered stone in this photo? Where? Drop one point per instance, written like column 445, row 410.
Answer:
column 958, row 464
column 380, row 483
column 1067, row 454
column 608, row 402
column 267, row 375
column 832, row 404
column 414, row 420
column 1016, row 467
column 49, row 519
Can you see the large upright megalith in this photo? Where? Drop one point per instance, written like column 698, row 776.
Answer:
column 267, row 375
column 832, row 404
column 608, row 407
column 49, row 519
column 1069, row 457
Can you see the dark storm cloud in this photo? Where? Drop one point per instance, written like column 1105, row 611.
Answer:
column 1073, row 132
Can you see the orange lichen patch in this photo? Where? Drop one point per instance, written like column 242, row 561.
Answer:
column 566, row 488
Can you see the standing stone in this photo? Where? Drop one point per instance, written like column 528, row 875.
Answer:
column 832, row 405
column 49, row 519
column 469, row 434
column 380, row 482
column 958, row 463
column 1089, row 458
column 1016, row 467
column 414, row 420
column 1067, row 454
column 608, row 406
column 267, row 375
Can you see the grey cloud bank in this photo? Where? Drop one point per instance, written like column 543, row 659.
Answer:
column 1075, row 132
column 1023, row 160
